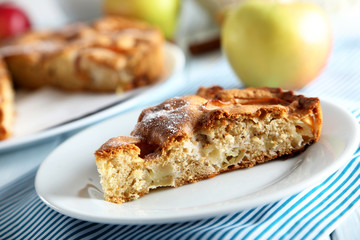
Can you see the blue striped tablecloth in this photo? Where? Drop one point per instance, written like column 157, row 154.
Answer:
column 310, row 214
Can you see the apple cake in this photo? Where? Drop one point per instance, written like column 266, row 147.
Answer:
column 112, row 54
column 6, row 103
column 190, row 138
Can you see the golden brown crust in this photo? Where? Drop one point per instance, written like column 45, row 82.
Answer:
column 255, row 102
column 111, row 54
column 115, row 144
column 6, row 103
column 296, row 104
column 177, row 118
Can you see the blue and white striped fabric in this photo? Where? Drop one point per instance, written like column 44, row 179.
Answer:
column 310, row 214
column 307, row 215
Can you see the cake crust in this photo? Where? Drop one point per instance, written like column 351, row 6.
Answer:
column 179, row 117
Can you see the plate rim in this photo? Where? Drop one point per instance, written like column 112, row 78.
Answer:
column 205, row 213
column 127, row 104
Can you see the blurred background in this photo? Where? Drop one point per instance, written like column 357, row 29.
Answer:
column 185, row 22
column 45, row 14
column 194, row 25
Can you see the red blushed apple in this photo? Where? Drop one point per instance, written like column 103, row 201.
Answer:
column 277, row 44
column 13, row 20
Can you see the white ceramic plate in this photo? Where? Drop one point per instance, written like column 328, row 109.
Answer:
column 68, row 181
column 39, row 114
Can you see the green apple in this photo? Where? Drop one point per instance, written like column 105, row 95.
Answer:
column 162, row 13
column 277, row 44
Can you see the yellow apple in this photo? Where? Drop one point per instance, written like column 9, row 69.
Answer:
column 162, row 13
column 277, row 44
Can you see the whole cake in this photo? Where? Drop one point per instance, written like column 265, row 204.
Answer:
column 6, row 103
column 108, row 55
column 112, row 54
column 190, row 138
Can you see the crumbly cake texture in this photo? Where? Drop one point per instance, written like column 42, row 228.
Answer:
column 190, row 138
column 6, row 103
column 111, row 54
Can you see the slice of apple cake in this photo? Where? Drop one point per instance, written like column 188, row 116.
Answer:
column 190, row 138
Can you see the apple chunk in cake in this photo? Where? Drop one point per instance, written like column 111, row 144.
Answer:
column 190, row 138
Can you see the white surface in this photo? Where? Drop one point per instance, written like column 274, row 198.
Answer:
column 40, row 112
column 349, row 229
column 68, row 180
